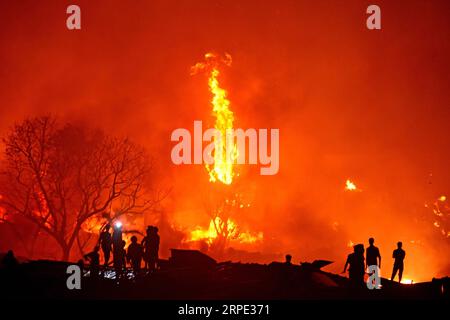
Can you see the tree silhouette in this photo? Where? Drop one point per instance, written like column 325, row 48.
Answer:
column 59, row 176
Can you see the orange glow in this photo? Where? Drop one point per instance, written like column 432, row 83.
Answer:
column 2, row 214
column 43, row 212
column 407, row 281
column 225, row 154
column 210, row 234
column 93, row 225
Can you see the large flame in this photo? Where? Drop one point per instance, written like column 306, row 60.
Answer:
column 225, row 151
column 225, row 154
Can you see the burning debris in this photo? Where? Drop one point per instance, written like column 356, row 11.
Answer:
column 441, row 215
column 233, row 233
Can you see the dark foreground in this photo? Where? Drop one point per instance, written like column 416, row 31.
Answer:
column 190, row 275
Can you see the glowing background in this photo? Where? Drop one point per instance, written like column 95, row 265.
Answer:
column 368, row 106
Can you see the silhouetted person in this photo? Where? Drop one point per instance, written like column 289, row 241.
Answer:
column 124, row 254
column 373, row 257
column 9, row 261
column 106, row 243
column 355, row 261
column 398, row 255
column 80, row 264
column 94, row 262
column 146, row 245
column 119, row 259
column 288, row 260
column 151, row 247
column 134, row 254
column 117, row 243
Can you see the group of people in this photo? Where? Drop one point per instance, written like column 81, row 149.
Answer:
column 147, row 250
column 357, row 264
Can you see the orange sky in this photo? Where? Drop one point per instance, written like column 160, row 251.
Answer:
column 372, row 106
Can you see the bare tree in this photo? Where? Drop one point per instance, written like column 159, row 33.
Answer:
column 58, row 177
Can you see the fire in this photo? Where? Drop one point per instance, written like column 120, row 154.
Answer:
column 246, row 237
column 93, row 225
column 208, row 235
column 349, row 185
column 407, row 281
column 441, row 211
column 224, row 154
column 230, row 227
column 2, row 214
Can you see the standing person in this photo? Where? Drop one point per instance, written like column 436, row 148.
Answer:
column 117, row 235
column 9, row 273
column 154, row 249
column 9, row 261
column 288, row 260
column 106, row 243
column 151, row 247
column 123, row 254
column 146, row 246
column 118, row 255
column 134, row 254
column 399, row 256
column 373, row 257
column 120, row 259
column 355, row 261
column 117, row 240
